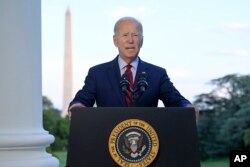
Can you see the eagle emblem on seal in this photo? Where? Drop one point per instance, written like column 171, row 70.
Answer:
column 133, row 144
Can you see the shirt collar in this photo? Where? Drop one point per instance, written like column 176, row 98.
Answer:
column 122, row 63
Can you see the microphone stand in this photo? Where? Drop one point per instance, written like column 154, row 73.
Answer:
column 142, row 85
column 134, row 97
column 137, row 92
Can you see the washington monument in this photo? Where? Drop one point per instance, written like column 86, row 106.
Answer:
column 67, row 81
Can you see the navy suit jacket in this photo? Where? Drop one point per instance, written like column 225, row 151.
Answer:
column 102, row 85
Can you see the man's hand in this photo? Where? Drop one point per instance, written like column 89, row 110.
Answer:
column 74, row 106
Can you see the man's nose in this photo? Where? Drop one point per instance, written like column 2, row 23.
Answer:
column 130, row 39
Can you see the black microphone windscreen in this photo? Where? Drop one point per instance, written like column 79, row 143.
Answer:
column 124, row 83
column 142, row 82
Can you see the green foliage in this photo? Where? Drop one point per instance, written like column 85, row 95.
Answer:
column 56, row 125
column 246, row 138
column 215, row 163
column 225, row 116
column 62, row 156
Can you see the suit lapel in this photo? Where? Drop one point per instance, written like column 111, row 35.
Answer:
column 142, row 67
column 114, row 77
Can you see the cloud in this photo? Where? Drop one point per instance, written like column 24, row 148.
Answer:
column 179, row 73
column 128, row 11
column 237, row 26
column 239, row 52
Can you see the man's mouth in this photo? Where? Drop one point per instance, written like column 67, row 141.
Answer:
column 130, row 48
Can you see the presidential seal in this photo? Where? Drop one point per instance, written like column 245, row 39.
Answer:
column 133, row 143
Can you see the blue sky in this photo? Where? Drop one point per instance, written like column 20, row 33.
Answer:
column 195, row 41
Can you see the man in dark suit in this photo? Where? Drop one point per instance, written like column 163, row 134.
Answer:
column 103, row 82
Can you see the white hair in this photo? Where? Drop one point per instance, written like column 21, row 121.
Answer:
column 128, row 19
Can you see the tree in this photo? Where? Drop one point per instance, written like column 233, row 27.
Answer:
column 56, row 125
column 246, row 138
column 225, row 116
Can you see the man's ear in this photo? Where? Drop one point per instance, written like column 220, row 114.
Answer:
column 115, row 40
column 141, row 41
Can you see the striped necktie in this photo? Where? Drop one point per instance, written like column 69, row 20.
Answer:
column 129, row 73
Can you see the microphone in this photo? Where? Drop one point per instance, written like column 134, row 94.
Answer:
column 142, row 83
column 124, row 83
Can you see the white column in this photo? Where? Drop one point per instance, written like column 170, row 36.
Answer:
column 22, row 138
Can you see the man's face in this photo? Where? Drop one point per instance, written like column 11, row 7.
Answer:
column 128, row 40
